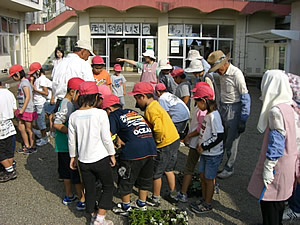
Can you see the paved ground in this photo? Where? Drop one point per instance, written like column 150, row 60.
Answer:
column 35, row 196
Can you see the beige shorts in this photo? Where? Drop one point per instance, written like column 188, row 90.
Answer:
column 191, row 162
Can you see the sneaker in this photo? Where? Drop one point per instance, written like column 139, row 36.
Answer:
column 123, row 212
column 217, row 188
column 202, row 208
column 37, row 133
column 67, row 200
column 181, row 197
column 80, row 206
column 154, row 202
column 225, row 174
column 52, row 134
column 171, row 198
column 182, row 144
column 104, row 222
column 6, row 176
column 197, row 203
column 14, row 164
column 22, row 150
column 42, row 141
column 289, row 214
column 30, row 150
column 136, row 206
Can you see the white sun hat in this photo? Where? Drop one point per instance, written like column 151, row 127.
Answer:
column 195, row 66
column 85, row 45
column 194, row 54
column 149, row 53
column 164, row 64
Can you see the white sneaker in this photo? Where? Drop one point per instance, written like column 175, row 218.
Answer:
column 52, row 134
column 289, row 214
column 37, row 133
column 42, row 142
column 225, row 174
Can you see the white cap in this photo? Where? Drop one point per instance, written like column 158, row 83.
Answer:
column 195, row 66
column 194, row 54
column 85, row 45
column 164, row 64
column 149, row 53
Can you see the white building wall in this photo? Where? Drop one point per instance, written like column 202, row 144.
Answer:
column 255, row 48
column 295, row 45
column 43, row 44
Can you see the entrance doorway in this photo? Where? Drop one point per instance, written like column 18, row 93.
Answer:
column 123, row 48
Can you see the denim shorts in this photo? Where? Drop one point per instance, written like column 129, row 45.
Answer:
column 40, row 109
column 209, row 165
column 49, row 109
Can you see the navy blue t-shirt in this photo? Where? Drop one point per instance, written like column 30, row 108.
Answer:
column 133, row 130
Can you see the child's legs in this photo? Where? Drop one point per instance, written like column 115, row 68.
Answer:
column 103, row 171
column 80, row 192
column 157, row 186
column 68, row 187
column 145, row 177
column 209, row 190
column 22, row 129
column 122, row 100
column 51, row 122
column 203, row 185
column 41, row 119
column 192, row 160
column 171, row 180
column 28, row 125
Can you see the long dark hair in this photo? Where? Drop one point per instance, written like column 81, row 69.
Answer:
column 59, row 49
column 211, row 105
column 88, row 100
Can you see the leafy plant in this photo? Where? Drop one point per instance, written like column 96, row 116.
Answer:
column 158, row 217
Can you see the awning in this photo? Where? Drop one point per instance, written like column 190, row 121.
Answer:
column 272, row 35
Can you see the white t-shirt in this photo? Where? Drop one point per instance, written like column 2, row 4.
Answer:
column 211, row 126
column 8, row 105
column 176, row 108
column 40, row 82
column 71, row 66
column 89, row 130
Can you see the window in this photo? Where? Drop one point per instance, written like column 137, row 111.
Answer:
column 4, row 43
column 209, row 30
column 4, row 25
column 67, row 43
column 226, row 47
column 226, row 31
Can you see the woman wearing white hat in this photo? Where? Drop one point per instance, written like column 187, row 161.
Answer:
column 150, row 70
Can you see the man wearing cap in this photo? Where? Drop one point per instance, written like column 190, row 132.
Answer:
column 234, row 107
column 166, row 138
column 165, row 77
column 176, row 108
column 101, row 76
column 74, row 65
column 150, row 70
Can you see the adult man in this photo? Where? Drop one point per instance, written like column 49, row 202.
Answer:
column 74, row 65
column 234, row 107
column 150, row 70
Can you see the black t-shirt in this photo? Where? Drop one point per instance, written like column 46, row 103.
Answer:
column 133, row 130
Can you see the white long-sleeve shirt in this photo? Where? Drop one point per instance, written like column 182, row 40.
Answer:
column 89, row 130
column 71, row 66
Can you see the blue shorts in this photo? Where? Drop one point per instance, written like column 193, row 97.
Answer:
column 49, row 109
column 41, row 123
column 209, row 165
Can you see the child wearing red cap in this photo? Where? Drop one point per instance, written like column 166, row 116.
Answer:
column 25, row 112
column 100, row 74
column 89, row 139
column 40, row 94
column 69, row 176
column 118, row 84
column 136, row 157
column 166, row 138
column 210, row 146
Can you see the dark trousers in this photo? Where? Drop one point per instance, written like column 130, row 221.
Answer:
column 100, row 170
column 272, row 212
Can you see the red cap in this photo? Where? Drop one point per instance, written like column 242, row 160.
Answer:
column 74, row 83
column 198, row 84
column 204, row 92
column 98, row 60
column 34, row 67
column 104, row 90
column 160, row 87
column 14, row 69
column 110, row 100
column 88, row 88
column 117, row 67
column 177, row 72
column 141, row 88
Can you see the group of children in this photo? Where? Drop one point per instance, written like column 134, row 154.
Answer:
column 90, row 116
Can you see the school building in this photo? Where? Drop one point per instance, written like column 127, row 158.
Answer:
column 13, row 32
column 171, row 28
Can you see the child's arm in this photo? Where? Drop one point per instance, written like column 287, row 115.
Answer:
column 27, row 99
column 43, row 92
column 60, row 127
column 72, row 145
column 62, row 116
column 106, row 136
column 124, row 89
column 186, row 99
